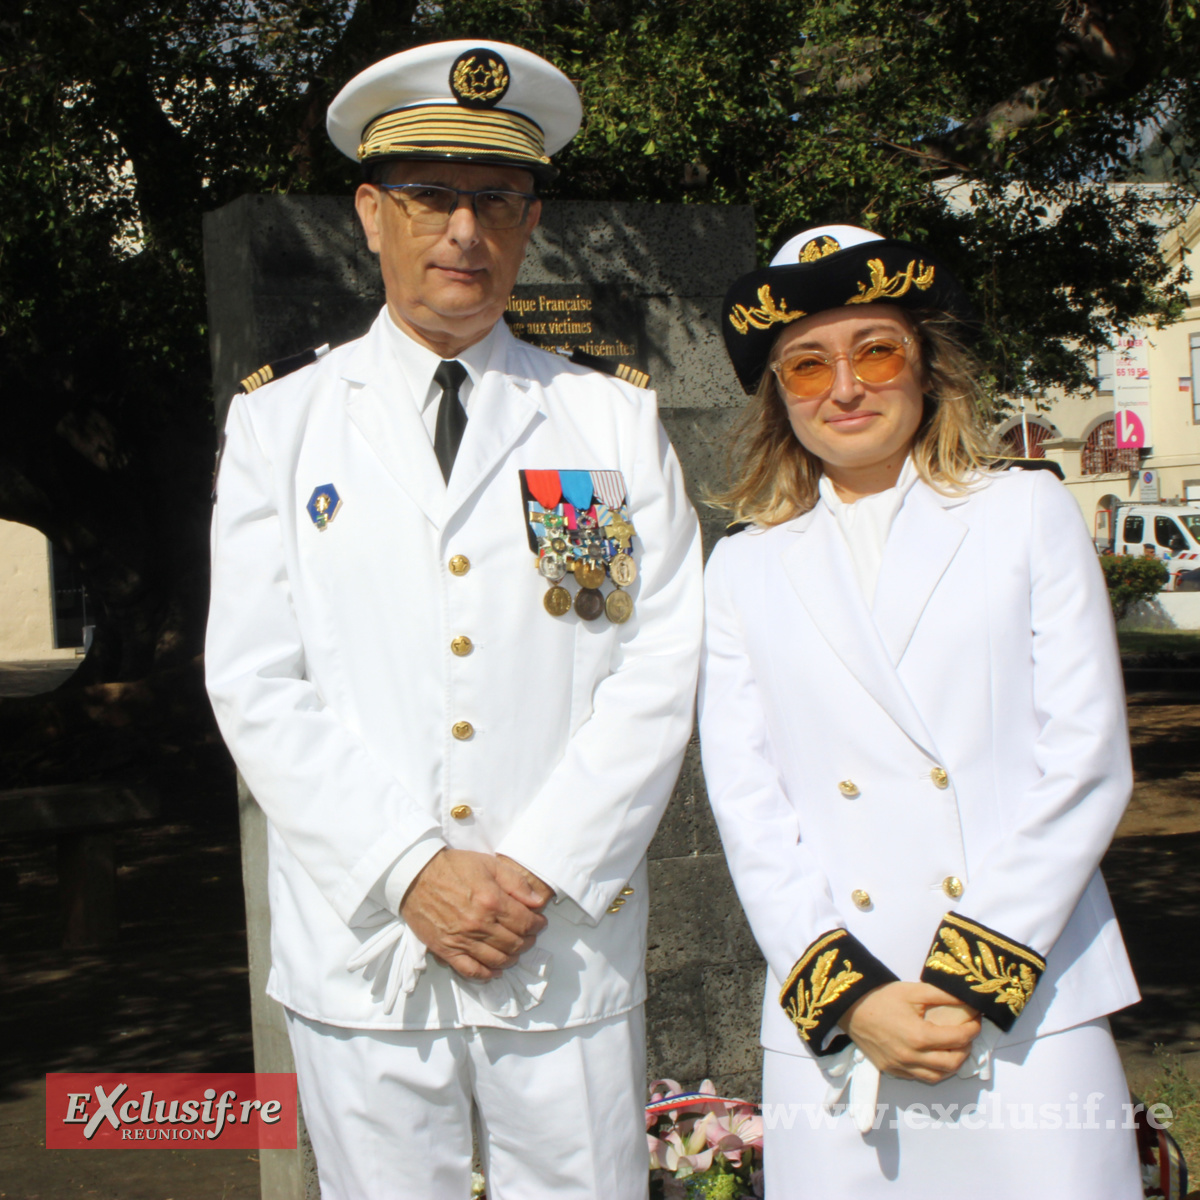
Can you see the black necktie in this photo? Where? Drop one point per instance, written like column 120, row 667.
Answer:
column 452, row 417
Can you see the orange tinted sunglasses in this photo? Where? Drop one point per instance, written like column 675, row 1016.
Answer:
column 810, row 373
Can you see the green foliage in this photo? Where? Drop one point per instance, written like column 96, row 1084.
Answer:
column 1131, row 579
column 1175, row 1088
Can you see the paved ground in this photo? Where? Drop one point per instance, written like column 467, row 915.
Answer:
column 172, row 995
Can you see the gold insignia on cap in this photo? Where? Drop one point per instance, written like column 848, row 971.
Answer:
column 819, row 247
column 479, row 78
column 446, row 129
column 884, row 288
column 768, row 313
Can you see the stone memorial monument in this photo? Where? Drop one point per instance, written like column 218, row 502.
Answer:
column 639, row 284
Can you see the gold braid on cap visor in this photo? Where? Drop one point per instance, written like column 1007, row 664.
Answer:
column 453, row 130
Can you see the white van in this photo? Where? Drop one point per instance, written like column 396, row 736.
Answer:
column 1170, row 532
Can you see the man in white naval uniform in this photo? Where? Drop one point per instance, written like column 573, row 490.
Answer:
column 462, row 747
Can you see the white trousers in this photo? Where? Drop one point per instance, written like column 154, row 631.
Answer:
column 560, row 1114
column 1053, row 1121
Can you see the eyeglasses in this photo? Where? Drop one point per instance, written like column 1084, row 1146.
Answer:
column 431, row 205
column 810, row 373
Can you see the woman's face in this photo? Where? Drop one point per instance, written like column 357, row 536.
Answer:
column 853, row 425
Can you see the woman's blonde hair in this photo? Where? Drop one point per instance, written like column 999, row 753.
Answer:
column 776, row 477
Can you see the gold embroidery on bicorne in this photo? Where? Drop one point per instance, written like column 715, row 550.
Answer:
column 763, row 317
column 1010, row 982
column 479, row 81
column 805, row 1005
column 882, row 288
column 818, row 248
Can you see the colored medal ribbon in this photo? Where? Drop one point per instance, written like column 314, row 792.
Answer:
column 577, row 488
column 545, row 487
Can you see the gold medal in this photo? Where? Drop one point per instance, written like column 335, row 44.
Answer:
column 552, row 567
column 618, row 607
column 619, row 530
column 589, row 603
column 589, row 574
column 623, row 570
column 557, row 601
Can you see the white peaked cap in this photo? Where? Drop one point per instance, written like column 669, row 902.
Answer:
column 467, row 100
column 818, row 243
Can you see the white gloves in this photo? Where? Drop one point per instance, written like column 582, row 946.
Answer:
column 515, row 990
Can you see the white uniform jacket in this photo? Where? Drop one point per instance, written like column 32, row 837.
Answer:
column 969, row 733
column 330, row 669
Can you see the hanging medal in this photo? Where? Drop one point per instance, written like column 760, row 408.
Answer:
column 617, row 531
column 548, row 534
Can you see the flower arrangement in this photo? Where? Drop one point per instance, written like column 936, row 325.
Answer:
column 702, row 1146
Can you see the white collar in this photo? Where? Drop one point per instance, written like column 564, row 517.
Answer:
column 890, row 498
column 418, row 363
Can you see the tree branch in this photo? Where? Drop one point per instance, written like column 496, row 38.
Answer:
column 1094, row 54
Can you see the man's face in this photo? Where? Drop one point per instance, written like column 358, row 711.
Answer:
column 446, row 287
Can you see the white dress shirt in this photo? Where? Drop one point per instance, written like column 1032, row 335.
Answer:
column 865, row 524
column 418, row 363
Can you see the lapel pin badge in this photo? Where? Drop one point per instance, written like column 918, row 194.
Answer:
column 323, row 505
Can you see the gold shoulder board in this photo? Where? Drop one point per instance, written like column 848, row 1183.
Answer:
column 281, row 367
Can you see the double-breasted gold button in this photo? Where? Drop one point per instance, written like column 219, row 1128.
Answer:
column 952, row 886
column 849, row 789
column 860, row 898
column 627, row 891
column 462, row 730
column 460, row 812
column 939, row 777
column 462, row 645
column 460, row 564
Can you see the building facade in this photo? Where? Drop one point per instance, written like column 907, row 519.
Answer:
column 37, row 620
column 1143, row 417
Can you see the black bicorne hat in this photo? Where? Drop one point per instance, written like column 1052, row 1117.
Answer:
column 830, row 267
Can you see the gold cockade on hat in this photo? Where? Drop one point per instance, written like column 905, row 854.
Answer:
column 479, row 77
column 768, row 313
column 818, row 248
column 883, row 287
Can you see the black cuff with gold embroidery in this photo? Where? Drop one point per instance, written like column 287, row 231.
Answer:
column 834, row 972
column 983, row 968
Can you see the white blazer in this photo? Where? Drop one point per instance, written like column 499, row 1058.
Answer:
column 332, row 678
column 990, row 654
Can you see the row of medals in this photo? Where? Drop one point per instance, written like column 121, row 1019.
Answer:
column 589, row 601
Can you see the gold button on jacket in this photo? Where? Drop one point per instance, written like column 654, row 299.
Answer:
column 463, row 730
column 460, row 812
column 460, row 564
column 849, row 789
column 462, row 645
column 939, row 777
column 952, row 886
column 860, row 898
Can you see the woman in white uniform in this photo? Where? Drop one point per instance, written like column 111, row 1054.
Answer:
column 914, row 737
